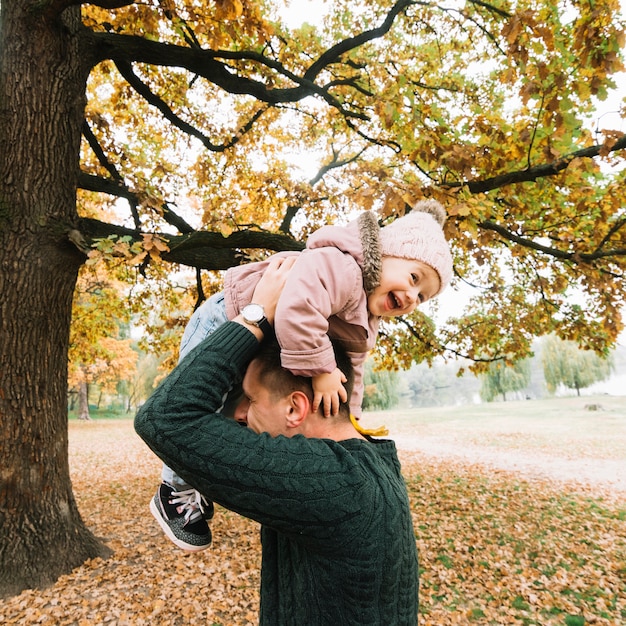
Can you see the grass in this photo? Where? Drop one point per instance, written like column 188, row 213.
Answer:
column 102, row 414
column 561, row 427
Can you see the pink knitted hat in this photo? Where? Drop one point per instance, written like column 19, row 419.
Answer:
column 418, row 235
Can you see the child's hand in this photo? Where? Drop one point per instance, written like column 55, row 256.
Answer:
column 328, row 391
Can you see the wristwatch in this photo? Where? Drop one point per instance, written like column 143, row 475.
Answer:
column 255, row 314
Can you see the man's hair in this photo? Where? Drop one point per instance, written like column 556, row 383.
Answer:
column 281, row 382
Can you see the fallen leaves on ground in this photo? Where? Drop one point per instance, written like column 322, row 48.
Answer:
column 494, row 549
column 498, row 550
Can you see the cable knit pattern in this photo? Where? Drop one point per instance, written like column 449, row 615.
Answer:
column 337, row 535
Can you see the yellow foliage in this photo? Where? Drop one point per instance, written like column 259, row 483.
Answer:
column 228, row 9
column 97, row 351
column 486, row 109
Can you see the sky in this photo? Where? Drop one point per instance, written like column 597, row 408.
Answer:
column 299, row 11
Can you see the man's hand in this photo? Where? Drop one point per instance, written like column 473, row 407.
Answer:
column 328, row 391
column 269, row 288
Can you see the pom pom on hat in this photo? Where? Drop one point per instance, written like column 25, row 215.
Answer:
column 418, row 235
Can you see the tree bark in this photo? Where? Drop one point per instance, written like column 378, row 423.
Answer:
column 43, row 73
column 83, row 402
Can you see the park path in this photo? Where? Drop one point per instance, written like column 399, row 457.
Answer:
column 609, row 475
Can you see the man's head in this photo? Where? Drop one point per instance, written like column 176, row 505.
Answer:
column 277, row 402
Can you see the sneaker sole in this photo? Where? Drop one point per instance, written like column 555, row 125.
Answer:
column 170, row 535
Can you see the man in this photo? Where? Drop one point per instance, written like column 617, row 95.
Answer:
column 338, row 545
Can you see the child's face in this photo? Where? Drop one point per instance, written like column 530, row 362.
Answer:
column 404, row 284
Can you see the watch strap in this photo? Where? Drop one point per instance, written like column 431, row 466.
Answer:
column 266, row 327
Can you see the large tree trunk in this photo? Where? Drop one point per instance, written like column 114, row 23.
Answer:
column 43, row 74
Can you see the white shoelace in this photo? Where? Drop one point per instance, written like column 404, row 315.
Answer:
column 188, row 501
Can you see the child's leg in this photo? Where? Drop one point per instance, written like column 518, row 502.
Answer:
column 207, row 318
column 169, row 476
column 180, row 510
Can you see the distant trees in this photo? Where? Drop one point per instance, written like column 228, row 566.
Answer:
column 554, row 363
column 564, row 363
column 138, row 388
column 502, row 377
column 381, row 388
column 100, row 349
column 438, row 384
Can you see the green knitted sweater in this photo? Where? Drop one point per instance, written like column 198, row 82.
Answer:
column 338, row 545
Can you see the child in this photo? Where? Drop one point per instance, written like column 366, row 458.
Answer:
column 341, row 285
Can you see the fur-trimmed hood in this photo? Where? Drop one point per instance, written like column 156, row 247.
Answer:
column 359, row 238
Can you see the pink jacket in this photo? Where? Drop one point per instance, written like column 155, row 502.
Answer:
column 325, row 295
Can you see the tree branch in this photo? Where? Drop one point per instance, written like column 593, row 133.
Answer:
column 481, row 28
column 335, row 163
column 575, row 257
column 619, row 224
column 491, row 8
column 99, row 152
column 104, row 161
column 107, row 4
column 130, row 48
column 333, row 54
column 125, row 49
column 396, row 147
column 199, row 249
column 538, row 171
column 151, row 98
column 117, row 188
column 439, row 348
column 290, row 213
column 201, row 297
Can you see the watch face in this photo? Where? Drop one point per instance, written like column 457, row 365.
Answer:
column 253, row 313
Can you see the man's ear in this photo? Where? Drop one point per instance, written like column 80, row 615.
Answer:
column 299, row 408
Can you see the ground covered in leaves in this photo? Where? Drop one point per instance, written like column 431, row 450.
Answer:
column 495, row 549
